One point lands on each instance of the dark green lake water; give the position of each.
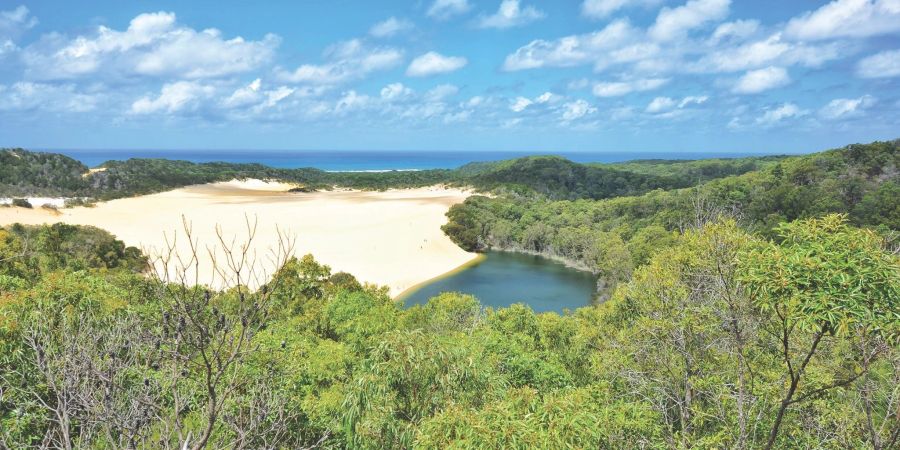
(504, 278)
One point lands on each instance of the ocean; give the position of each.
(370, 160)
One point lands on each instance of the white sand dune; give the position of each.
(390, 238)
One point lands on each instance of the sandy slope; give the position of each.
(391, 238)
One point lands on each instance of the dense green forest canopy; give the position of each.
(612, 236)
(693, 172)
(723, 339)
(540, 176)
(25, 173)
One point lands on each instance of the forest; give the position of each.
(25, 173)
(612, 236)
(754, 306)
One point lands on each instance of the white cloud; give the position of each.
(395, 91)
(441, 92)
(544, 98)
(571, 50)
(739, 29)
(510, 14)
(519, 104)
(351, 101)
(841, 108)
(7, 47)
(760, 80)
(765, 52)
(885, 64)
(779, 114)
(244, 96)
(16, 21)
(445, 9)
(26, 96)
(674, 23)
(252, 95)
(433, 63)
(661, 104)
(600, 9)
(475, 101)
(390, 27)
(174, 97)
(696, 100)
(667, 104)
(619, 88)
(847, 18)
(153, 45)
(346, 61)
(576, 110)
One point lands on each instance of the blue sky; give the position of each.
(527, 75)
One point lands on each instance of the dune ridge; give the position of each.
(391, 238)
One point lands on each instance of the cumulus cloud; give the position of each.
(152, 45)
(576, 110)
(511, 14)
(441, 92)
(445, 9)
(28, 96)
(16, 21)
(764, 52)
(433, 63)
(620, 88)
(760, 80)
(571, 50)
(847, 18)
(7, 46)
(777, 115)
(696, 100)
(738, 29)
(519, 104)
(842, 108)
(660, 105)
(395, 91)
(346, 61)
(885, 64)
(351, 101)
(675, 44)
(253, 96)
(390, 27)
(674, 23)
(599, 9)
(174, 97)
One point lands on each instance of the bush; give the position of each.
(21, 203)
(79, 201)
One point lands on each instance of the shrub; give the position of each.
(21, 203)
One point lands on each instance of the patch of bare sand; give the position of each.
(390, 238)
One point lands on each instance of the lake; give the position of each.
(504, 278)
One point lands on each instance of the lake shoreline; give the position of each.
(415, 288)
(504, 278)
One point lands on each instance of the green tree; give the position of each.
(825, 280)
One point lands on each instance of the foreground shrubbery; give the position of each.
(723, 339)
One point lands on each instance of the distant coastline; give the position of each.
(372, 161)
